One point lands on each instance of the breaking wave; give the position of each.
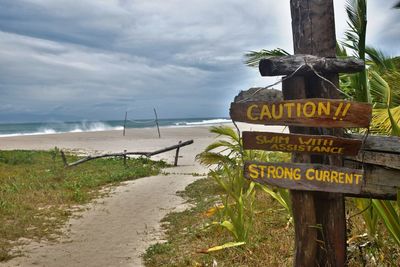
(55, 128)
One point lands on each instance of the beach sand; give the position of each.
(116, 230)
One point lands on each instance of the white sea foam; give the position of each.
(69, 128)
(20, 134)
(94, 127)
(203, 122)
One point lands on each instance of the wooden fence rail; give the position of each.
(125, 153)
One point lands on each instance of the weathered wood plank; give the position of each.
(310, 177)
(301, 143)
(379, 143)
(286, 65)
(380, 182)
(385, 159)
(378, 150)
(315, 112)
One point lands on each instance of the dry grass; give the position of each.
(271, 243)
(189, 232)
(363, 250)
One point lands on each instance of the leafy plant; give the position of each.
(390, 216)
(236, 211)
(239, 213)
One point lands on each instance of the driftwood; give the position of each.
(124, 154)
(286, 65)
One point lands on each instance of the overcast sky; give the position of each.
(95, 59)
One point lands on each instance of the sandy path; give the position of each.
(116, 230)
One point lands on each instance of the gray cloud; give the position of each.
(95, 59)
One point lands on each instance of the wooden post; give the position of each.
(125, 157)
(158, 128)
(318, 217)
(177, 154)
(126, 116)
(64, 159)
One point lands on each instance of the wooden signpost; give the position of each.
(311, 99)
(315, 112)
(309, 177)
(302, 143)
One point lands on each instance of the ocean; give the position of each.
(17, 129)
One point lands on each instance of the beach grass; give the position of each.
(38, 195)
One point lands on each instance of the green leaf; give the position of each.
(226, 245)
(228, 225)
(389, 216)
(283, 201)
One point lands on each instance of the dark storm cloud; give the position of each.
(95, 59)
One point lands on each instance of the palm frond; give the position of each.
(355, 40)
(225, 131)
(211, 158)
(395, 124)
(393, 80)
(380, 61)
(253, 57)
(382, 123)
(340, 50)
(216, 145)
(223, 145)
(357, 21)
(380, 90)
